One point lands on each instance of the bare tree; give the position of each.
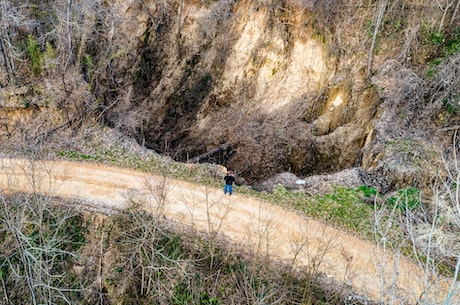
(454, 14)
(146, 252)
(216, 212)
(75, 24)
(378, 19)
(259, 234)
(445, 7)
(428, 233)
(385, 238)
(40, 243)
(11, 18)
(158, 188)
(179, 29)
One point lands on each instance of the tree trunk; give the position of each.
(179, 29)
(380, 13)
(5, 61)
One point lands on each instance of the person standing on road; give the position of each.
(229, 179)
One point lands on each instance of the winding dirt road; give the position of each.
(266, 229)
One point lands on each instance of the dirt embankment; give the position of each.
(266, 229)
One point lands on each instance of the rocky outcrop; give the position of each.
(253, 76)
(323, 184)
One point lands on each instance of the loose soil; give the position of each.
(267, 229)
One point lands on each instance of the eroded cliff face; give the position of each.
(256, 79)
(264, 87)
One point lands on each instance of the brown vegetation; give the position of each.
(263, 77)
(308, 249)
(308, 87)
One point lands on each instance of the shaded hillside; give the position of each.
(266, 232)
(63, 255)
(309, 87)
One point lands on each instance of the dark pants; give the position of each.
(228, 188)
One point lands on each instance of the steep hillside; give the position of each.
(124, 247)
(263, 87)
(364, 94)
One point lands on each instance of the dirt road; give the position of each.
(266, 229)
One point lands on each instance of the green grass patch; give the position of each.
(75, 155)
(344, 207)
(408, 199)
(34, 54)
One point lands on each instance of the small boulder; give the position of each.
(321, 184)
(286, 179)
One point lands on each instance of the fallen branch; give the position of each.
(455, 127)
(207, 155)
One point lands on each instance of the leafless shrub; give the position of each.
(402, 91)
(428, 233)
(445, 211)
(256, 291)
(259, 234)
(310, 251)
(158, 189)
(410, 43)
(217, 18)
(216, 209)
(328, 11)
(447, 7)
(445, 85)
(143, 248)
(41, 240)
(12, 17)
(385, 238)
(191, 203)
(395, 83)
